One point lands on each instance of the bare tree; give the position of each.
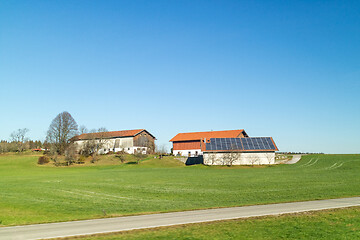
(95, 142)
(101, 138)
(121, 155)
(211, 158)
(254, 159)
(70, 154)
(62, 128)
(233, 155)
(230, 156)
(161, 150)
(270, 158)
(19, 137)
(83, 129)
(139, 156)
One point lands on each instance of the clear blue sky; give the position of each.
(286, 69)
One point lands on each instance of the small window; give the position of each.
(196, 153)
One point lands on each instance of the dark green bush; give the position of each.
(43, 160)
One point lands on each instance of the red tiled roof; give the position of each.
(113, 134)
(212, 134)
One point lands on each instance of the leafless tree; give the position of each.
(230, 156)
(270, 158)
(88, 148)
(211, 158)
(19, 137)
(161, 150)
(101, 138)
(70, 154)
(139, 156)
(121, 155)
(254, 159)
(83, 129)
(62, 128)
(95, 142)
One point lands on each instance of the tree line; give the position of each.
(19, 142)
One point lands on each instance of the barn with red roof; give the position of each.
(130, 141)
(190, 144)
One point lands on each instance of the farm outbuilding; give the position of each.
(130, 141)
(239, 151)
(190, 144)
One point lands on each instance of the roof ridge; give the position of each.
(195, 136)
(112, 134)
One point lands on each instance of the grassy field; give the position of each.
(329, 224)
(33, 194)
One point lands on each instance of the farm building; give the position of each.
(130, 141)
(190, 144)
(239, 151)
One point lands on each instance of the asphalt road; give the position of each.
(295, 159)
(53, 230)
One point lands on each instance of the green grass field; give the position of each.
(329, 224)
(34, 194)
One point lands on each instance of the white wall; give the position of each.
(244, 158)
(126, 143)
(185, 153)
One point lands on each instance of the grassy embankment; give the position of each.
(33, 194)
(329, 224)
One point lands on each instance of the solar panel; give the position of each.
(266, 143)
(256, 143)
(226, 144)
(270, 143)
(246, 143)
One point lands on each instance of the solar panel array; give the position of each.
(250, 143)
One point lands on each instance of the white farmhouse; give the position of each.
(130, 141)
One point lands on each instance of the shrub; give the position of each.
(139, 156)
(70, 154)
(120, 156)
(81, 159)
(43, 160)
(46, 152)
(94, 159)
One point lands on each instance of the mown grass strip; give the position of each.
(327, 224)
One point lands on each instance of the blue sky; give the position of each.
(286, 69)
